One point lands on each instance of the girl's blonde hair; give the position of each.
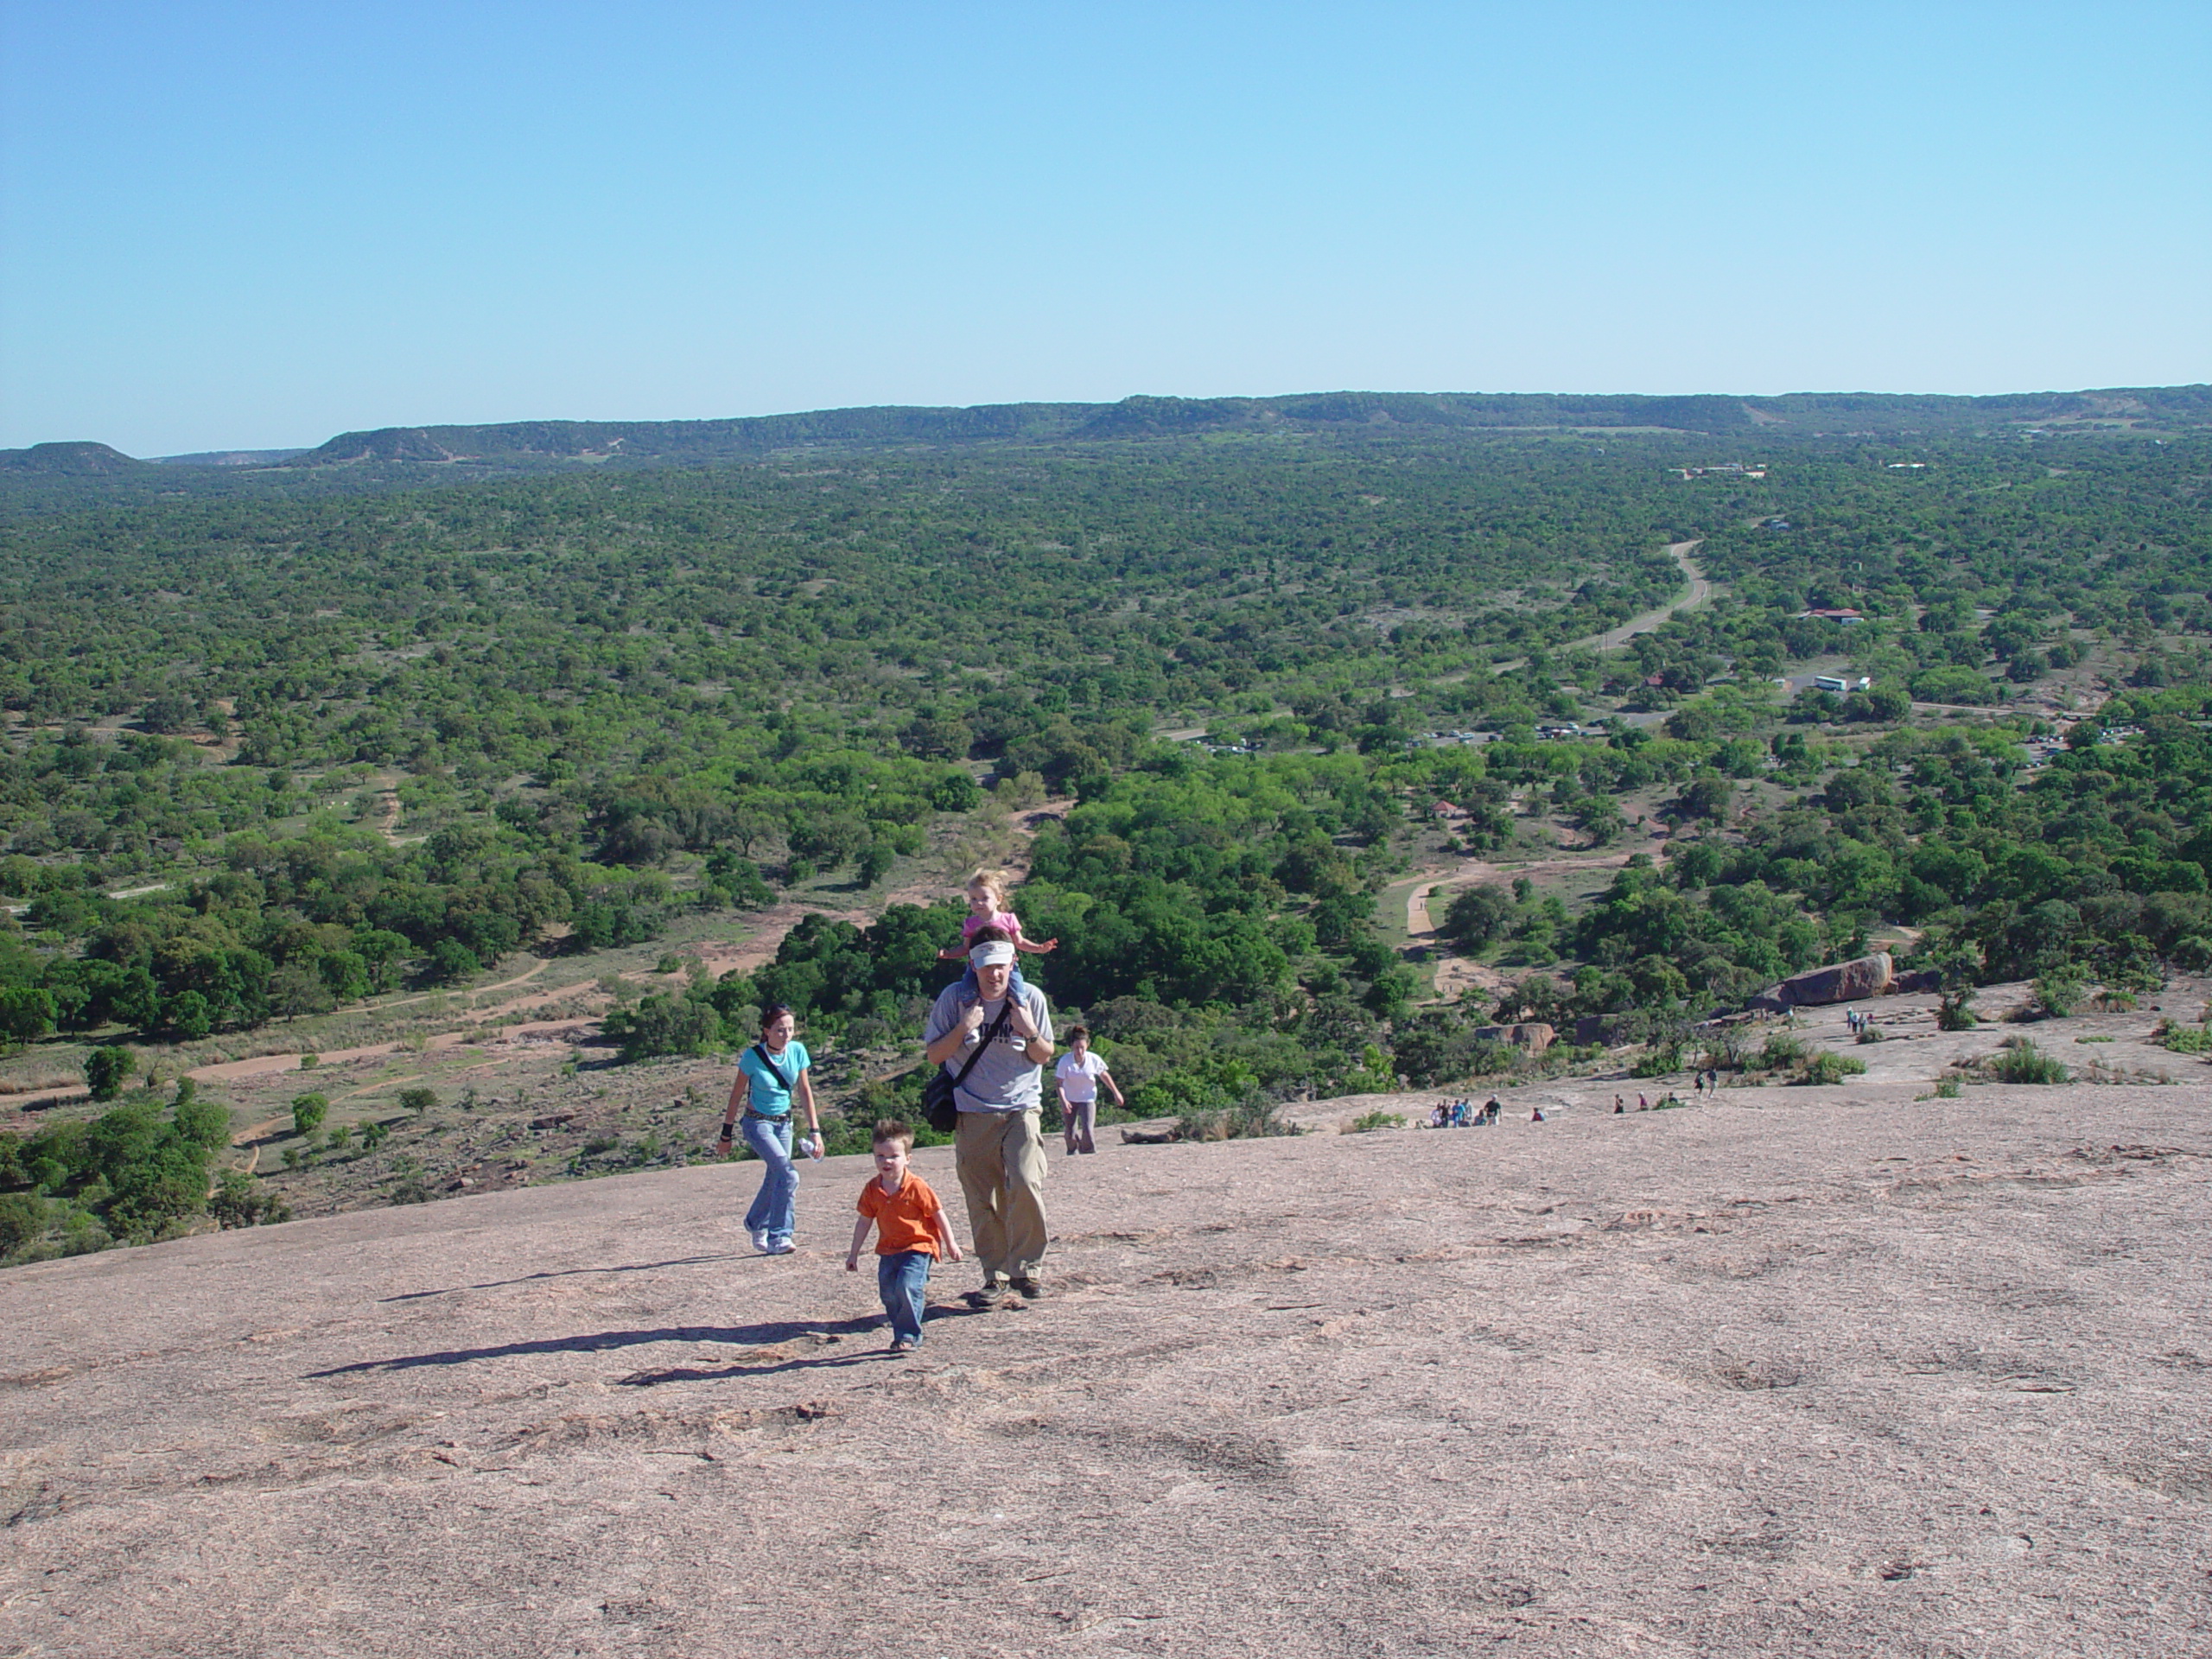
(994, 882)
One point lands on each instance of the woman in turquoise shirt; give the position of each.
(771, 1075)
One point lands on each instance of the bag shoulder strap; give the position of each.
(989, 1037)
(774, 1070)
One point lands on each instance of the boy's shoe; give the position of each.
(1030, 1290)
(903, 1345)
(760, 1240)
(781, 1247)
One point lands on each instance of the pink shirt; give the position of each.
(1006, 919)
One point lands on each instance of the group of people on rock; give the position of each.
(991, 1033)
(1461, 1114)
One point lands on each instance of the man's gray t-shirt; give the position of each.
(1004, 1080)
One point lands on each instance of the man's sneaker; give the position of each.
(1029, 1288)
(781, 1247)
(760, 1240)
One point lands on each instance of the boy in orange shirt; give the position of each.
(912, 1232)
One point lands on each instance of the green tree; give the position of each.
(307, 1112)
(105, 1070)
(26, 1013)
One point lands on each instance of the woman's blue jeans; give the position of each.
(903, 1280)
(775, 1206)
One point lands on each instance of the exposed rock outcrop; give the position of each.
(1842, 982)
(1535, 1037)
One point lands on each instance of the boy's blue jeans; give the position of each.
(904, 1280)
(775, 1206)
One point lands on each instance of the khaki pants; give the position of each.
(1000, 1158)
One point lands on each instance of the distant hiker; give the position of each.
(997, 1146)
(770, 1074)
(1492, 1108)
(987, 907)
(1537, 1115)
(1459, 1114)
(1077, 1074)
(1617, 1107)
(910, 1234)
(1439, 1116)
(1641, 1105)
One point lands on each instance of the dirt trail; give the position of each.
(756, 951)
(387, 824)
(1480, 873)
(1456, 975)
(1701, 591)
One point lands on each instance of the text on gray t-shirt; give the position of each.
(1004, 1079)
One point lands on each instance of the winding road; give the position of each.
(1700, 591)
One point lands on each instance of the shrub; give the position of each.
(1955, 1012)
(23, 1221)
(419, 1099)
(1872, 1034)
(2021, 1061)
(666, 1025)
(2060, 993)
(1829, 1067)
(308, 1112)
(452, 962)
(1948, 1089)
(1781, 1050)
(105, 1069)
(2183, 1040)
(1367, 1121)
(240, 1200)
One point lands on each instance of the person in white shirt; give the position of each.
(1078, 1073)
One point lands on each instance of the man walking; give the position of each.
(998, 1149)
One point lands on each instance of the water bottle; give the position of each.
(814, 1147)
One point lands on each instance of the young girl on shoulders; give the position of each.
(987, 907)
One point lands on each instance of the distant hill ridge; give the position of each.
(540, 443)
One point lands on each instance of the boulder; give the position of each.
(1152, 1134)
(1844, 982)
(1536, 1037)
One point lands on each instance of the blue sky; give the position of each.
(255, 225)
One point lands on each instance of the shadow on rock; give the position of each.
(748, 1336)
(564, 1273)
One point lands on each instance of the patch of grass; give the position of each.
(1366, 1122)
(1250, 1120)
(1780, 1052)
(2183, 1040)
(2021, 1061)
(1829, 1067)
(2093, 1040)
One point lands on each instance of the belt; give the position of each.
(752, 1116)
